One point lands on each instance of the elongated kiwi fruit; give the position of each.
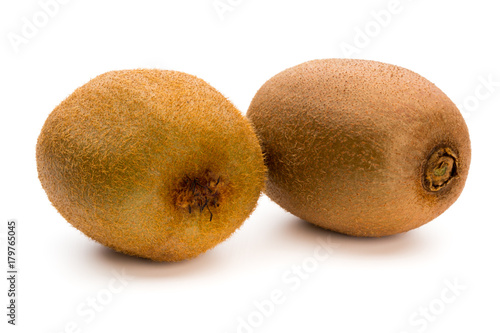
(360, 147)
(153, 163)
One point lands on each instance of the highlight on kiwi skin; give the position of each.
(440, 168)
(151, 163)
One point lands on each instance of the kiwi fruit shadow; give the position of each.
(146, 268)
(299, 230)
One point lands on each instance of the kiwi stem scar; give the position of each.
(440, 168)
(202, 191)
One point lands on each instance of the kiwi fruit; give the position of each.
(152, 163)
(360, 147)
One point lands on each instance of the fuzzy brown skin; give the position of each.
(115, 157)
(347, 144)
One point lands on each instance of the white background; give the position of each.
(361, 285)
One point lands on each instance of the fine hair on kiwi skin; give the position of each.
(152, 163)
(360, 147)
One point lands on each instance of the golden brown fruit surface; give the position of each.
(152, 163)
(360, 147)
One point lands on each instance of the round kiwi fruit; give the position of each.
(152, 163)
(360, 147)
